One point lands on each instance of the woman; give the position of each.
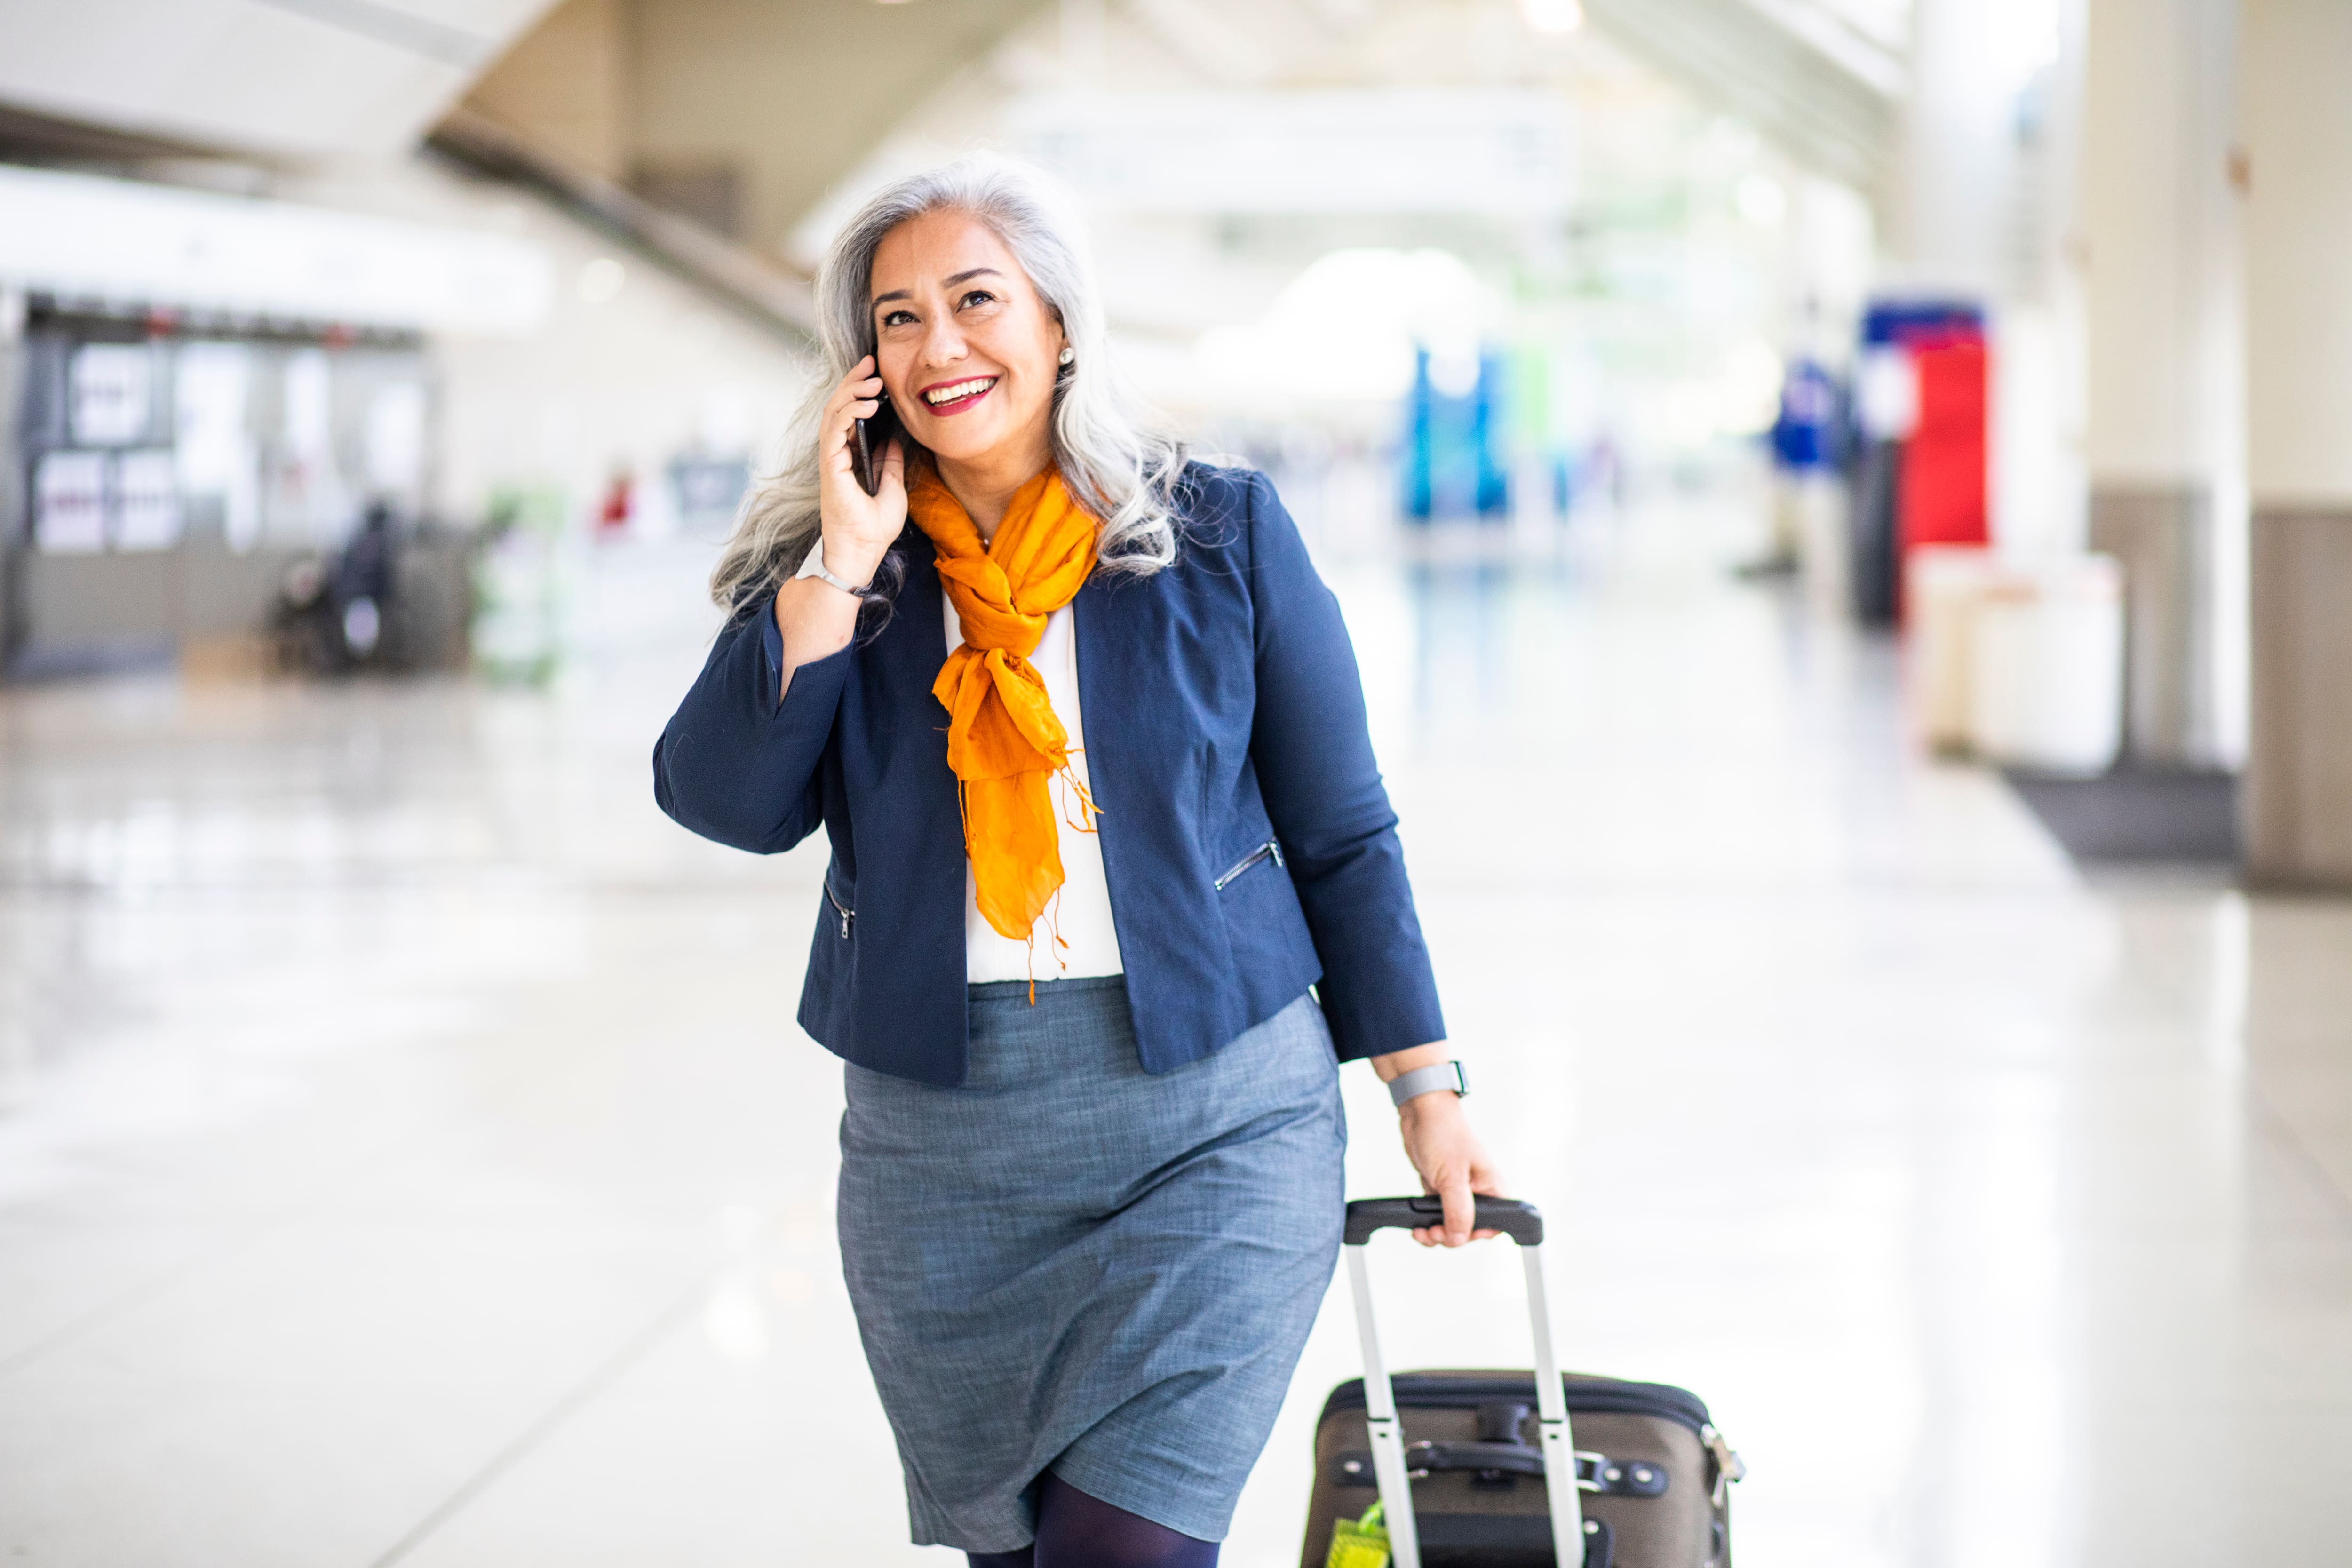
(1086, 735)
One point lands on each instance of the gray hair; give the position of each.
(1116, 462)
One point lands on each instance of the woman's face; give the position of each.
(968, 351)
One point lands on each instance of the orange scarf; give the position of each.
(1003, 739)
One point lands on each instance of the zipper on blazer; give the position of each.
(846, 913)
(1268, 850)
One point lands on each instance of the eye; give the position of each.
(974, 297)
(897, 317)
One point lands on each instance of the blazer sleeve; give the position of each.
(735, 764)
(1313, 753)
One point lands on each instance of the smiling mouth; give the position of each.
(957, 395)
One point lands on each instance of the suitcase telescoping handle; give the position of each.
(1524, 1225)
(1521, 1222)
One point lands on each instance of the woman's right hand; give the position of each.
(859, 529)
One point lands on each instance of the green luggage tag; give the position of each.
(1359, 1543)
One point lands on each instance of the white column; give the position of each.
(1956, 168)
(2296, 93)
(15, 523)
(1986, 177)
(2159, 228)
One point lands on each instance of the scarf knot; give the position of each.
(1004, 741)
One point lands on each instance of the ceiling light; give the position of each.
(1552, 16)
(602, 279)
(1761, 200)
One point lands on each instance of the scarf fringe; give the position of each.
(1089, 812)
(1054, 928)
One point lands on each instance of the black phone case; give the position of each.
(869, 441)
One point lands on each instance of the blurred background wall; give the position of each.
(1990, 286)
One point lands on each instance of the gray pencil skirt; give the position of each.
(1071, 1266)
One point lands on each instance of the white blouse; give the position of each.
(1081, 911)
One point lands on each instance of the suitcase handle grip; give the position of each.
(1522, 1222)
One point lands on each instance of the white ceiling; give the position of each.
(286, 78)
(1823, 78)
(309, 77)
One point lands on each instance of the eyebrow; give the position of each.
(964, 277)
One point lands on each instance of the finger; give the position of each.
(837, 416)
(846, 420)
(851, 388)
(1426, 1237)
(894, 463)
(1460, 1208)
(1485, 1234)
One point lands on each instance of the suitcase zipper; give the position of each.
(1596, 1396)
(1268, 849)
(846, 913)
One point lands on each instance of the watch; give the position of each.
(1428, 1080)
(813, 565)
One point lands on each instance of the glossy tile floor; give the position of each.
(407, 1155)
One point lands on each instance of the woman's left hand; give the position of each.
(1453, 1164)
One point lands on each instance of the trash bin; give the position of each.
(1946, 584)
(2046, 666)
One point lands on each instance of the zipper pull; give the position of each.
(845, 922)
(1728, 1465)
(1274, 847)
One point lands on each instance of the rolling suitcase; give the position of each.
(1446, 1458)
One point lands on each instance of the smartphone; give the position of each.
(868, 442)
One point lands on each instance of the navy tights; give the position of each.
(1075, 1530)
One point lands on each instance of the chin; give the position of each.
(959, 440)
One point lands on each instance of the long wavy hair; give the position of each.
(1116, 460)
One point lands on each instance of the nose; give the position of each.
(942, 344)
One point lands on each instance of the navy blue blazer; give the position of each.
(1224, 713)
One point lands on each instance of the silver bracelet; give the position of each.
(1428, 1080)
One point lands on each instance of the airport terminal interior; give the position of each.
(1843, 511)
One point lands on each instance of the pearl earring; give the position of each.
(1068, 354)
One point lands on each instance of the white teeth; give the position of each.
(959, 391)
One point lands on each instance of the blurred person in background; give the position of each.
(1091, 1186)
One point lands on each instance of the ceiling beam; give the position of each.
(1825, 96)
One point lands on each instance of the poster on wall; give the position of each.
(219, 456)
(69, 503)
(394, 441)
(708, 490)
(146, 500)
(111, 394)
(307, 504)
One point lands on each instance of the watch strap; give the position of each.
(813, 565)
(1428, 1080)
